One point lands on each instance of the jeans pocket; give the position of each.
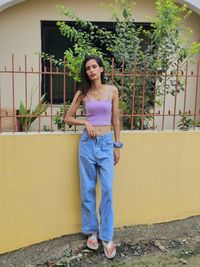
(84, 137)
(107, 145)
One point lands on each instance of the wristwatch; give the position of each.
(117, 144)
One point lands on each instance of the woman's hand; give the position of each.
(116, 155)
(90, 129)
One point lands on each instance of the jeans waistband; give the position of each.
(99, 137)
(104, 136)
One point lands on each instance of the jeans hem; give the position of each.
(89, 232)
(105, 239)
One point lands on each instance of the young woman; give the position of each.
(97, 152)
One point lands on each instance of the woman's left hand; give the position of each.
(116, 155)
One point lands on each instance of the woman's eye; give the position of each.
(92, 67)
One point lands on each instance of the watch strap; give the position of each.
(117, 144)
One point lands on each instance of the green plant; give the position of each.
(170, 46)
(27, 115)
(59, 117)
(197, 124)
(185, 123)
(166, 50)
(46, 128)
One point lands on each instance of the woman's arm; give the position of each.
(116, 123)
(115, 115)
(69, 118)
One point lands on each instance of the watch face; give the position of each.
(118, 145)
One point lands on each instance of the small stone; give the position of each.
(136, 253)
(160, 246)
(45, 250)
(184, 241)
(86, 251)
(183, 261)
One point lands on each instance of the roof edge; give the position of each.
(4, 4)
(192, 4)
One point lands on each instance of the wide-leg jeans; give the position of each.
(96, 158)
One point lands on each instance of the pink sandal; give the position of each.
(92, 242)
(109, 249)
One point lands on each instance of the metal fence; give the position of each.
(36, 98)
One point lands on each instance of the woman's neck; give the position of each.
(96, 85)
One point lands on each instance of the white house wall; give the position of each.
(20, 34)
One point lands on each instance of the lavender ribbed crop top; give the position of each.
(99, 112)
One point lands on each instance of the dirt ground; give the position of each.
(171, 244)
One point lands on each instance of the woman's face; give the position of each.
(93, 70)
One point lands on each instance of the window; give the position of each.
(54, 43)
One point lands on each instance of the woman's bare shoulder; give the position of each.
(79, 96)
(113, 89)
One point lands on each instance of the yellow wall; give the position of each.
(156, 180)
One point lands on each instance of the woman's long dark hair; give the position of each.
(85, 81)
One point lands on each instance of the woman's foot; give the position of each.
(92, 242)
(109, 249)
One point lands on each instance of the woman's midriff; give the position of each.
(102, 129)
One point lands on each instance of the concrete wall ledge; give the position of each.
(79, 132)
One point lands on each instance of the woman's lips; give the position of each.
(92, 75)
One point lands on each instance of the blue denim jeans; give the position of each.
(96, 157)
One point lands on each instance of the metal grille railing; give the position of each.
(149, 100)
